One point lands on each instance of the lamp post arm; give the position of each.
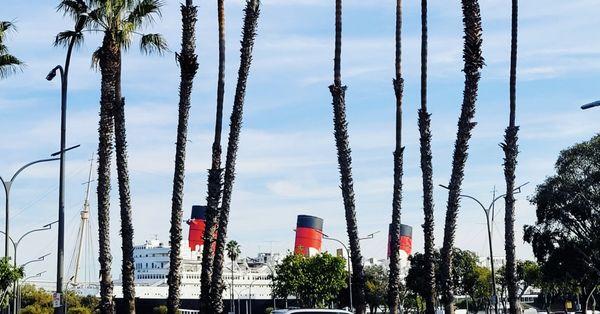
(476, 200)
(30, 164)
(10, 238)
(47, 227)
(4, 185)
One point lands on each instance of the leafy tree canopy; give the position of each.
(565, 237)
(315, 281)
(464, 274)
(376, 281)
(8, 275)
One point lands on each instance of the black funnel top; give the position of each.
(306, 221)
(198, 212)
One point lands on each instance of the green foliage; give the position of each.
(314, 281)
(9, 64)
(39, 301)
(376, 281)
(233, 250)
(464, 274)
(8, 275)
(565, 237)
(79, 310)
(121, 19)
(37, 309)
(162, 309)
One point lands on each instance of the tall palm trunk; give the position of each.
(511, 150)
(188, 66)
(427, 171)
(473, 64)
(251, 14)
(394, 276)
(338, 93)
(127, 266)
(110, 63)
(214, 174)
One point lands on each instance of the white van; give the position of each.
(310, 311)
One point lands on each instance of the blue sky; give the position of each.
(287, 164)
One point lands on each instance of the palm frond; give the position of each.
(144, 12)
(97, 18)
(153, 43)
(96, 55)
(9, 64)
(6, 27)
(63, 39)
(72, 8)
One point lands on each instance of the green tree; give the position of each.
(188, 65)
(9, 64)
(342, 143)
(565, 239)
(315, 281)
(251, 14)
(511, 150)
(9, 274)
(473, 59)
(394, 283)
(119, 21)
(376, 281)
(233, 252)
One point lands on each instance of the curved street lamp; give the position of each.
(487, 211)
(7, 186)
(16, 244)
(39, 259)
(64, 80)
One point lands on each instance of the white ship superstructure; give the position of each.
(252, 276)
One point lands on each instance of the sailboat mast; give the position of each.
(85, 215)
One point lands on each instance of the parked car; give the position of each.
(310, 311)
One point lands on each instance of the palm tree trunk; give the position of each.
(214, 174)
(110, 63)
(394, 276)
(338, 93)
(473, 64)
(511, 151)
(427, 171)
(127, 266)
(251, 14)
(189, 66)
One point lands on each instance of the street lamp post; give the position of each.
(7, 187)
(272, 278)
(64, 75)
(349, 273)
(489, 210)
(18, 294)
(15, 247)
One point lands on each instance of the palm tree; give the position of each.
(233, 252)
(473, 64)
(338, 93)
(427, 171)
(188, 66)
(128, 263)
(119, 21)
(251, 15)
(511, 151)
(9, 64)
(214, 174)
(394, 276)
